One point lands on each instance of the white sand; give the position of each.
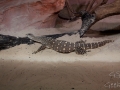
(50, 70)
(108, 53)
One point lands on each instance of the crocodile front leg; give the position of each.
(40, 49)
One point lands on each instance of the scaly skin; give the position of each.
(80, 47)
(87, 21)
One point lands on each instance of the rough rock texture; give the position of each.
(84, 2)
(18, 15)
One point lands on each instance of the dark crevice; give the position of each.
(7, 41)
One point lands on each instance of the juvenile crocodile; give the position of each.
(80, 47)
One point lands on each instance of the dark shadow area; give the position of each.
(110, 32)
(7, 41)
(94, 33)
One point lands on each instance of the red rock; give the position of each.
(38, 14)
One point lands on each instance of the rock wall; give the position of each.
(84, 2)
(21, 14)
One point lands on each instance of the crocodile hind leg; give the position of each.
(40, 49)
(80, 50)
(81, 47)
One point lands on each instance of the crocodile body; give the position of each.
(80, 47)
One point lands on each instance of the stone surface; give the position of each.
(18, 15)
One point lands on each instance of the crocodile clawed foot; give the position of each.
(39, 49)
(80, 50)
(35, 52)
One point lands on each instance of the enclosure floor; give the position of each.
(26, 75)
(108, 53)
(50, 70)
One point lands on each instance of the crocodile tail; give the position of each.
(99, 44)
(102, 43)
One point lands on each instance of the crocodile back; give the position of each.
(59, 45)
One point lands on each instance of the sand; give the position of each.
(107, 53)
(50, 70)
(26, 75)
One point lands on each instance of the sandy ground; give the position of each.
(50, 70)
(26, 75)
(107, 53)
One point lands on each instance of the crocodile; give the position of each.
(80, 47)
